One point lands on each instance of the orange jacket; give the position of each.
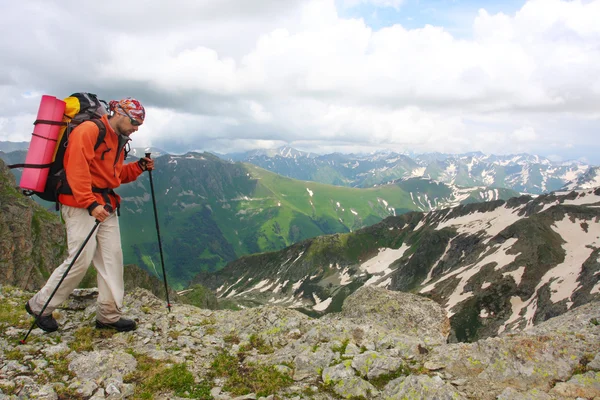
(86, 169)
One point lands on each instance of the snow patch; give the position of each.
(383, 259)
(420, 224)
(417, 172)
(563, 278)
(492, 222)
(578, 246)
(517, 274)
(321, 305)
(345, 277)
(465, 273)
(583, 198)
(297, 285)
(385, 283)
(430, 274)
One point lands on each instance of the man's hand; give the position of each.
(100, 213)
(146, 163)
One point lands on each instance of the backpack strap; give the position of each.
(12, 166)
(101, 132)
(101, 136)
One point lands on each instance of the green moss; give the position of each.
(64, 392)
(12, 315)
(13, 354)
(380, 381)
(588, 380)
(474, 362)
(368, 362)
(231, 338)
(582, 366)
(153, 377)
(210, 330)
(257, 342)
(251, 378)
(174, 334)
(85, 337)
(342, 348)
(9, 390)
(60, 366)
(179, 380)
(208, 321)
(274, 330)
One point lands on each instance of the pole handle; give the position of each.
(148, 155)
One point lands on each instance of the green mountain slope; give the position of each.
(213, 211)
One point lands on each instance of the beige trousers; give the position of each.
(103, 250)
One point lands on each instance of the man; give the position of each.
(91, 176)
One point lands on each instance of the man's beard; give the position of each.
(121, 132)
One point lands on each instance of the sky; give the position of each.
(452, 76)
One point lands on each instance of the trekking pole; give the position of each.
(87, 239)
(162, 260)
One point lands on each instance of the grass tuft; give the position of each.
(85, 336)
(154, 377)
(257, 342)
(244, 379)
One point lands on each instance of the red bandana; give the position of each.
(129, 107)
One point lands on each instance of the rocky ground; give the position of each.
(383, 345)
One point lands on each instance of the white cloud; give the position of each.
(525, 134)
(377, 3)
(224, 76)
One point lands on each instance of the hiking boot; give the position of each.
(122, 325)
(45, 322)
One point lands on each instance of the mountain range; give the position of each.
(495, 266)
(523, 173)
(212, 211)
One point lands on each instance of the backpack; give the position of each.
(80, 107)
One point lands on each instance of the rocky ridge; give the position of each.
(32, 239)
(382, 345)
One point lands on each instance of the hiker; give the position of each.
(91, 177)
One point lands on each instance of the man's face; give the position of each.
(127, 125)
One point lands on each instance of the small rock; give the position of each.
(595, 363)
(99, 395)
(112, 389)
(433, 366)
